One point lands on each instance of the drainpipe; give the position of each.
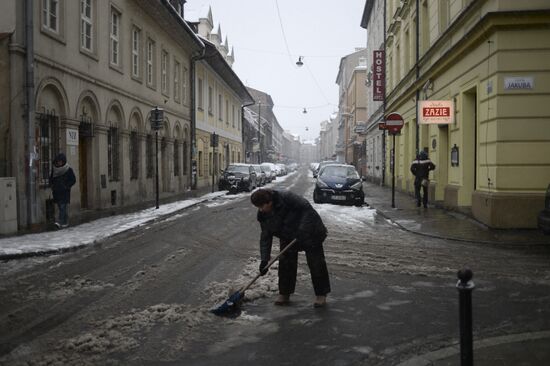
(193, 155)
(29, 91)
(417, 73)
(384, 103)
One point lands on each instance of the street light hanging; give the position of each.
(304, 111)
(300, 63)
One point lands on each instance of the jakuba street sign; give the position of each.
(394, 123)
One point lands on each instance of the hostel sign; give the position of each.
(439, 112)
(379, 75)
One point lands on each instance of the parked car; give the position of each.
(339, 183)
(271, 168)
(267, 173)
(321, 165)
(261, 177)
(238, 177)
(283, 169)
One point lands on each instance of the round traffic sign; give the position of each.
(394, 123)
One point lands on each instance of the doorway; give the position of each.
(469, 168)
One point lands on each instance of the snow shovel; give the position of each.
(231, 305)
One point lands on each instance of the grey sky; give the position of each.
(321, 31)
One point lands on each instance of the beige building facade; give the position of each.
(491, 60)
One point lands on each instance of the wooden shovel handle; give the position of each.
(268, 265)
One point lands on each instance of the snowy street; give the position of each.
(139, 291)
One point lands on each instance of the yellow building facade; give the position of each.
(491, 60)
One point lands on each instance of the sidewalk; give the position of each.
(526, 349)
(441, 223)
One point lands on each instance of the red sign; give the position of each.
(378, 75)
(436, 111)
(394, 123)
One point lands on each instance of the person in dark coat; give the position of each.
(421, 169)
(61, 180)
(286, 215)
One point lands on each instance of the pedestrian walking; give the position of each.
(286, 215)
(421, 167)
(61, 180)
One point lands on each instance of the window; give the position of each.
(200, 164)
(200, 101)
(112, 153)
(233, 116)
(220, 107)
(150, 62)
(86, 25)
(50, 15)
(176, 158)
(443, 16)
(115, 37)
(149, 155)
(136, 48)
(164, 72)
(177, 86)
(184, 87)
(227, 112)
(134, 155)
(49, 145)
(184, 157)
(210, 100)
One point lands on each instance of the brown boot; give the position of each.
(320, 302)
(282, 300)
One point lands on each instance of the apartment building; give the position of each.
(488, 62)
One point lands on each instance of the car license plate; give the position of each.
(339, 198)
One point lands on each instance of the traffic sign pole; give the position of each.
(393, 123)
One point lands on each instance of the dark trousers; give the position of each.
(424, 198)
(288, 268)
(63, 213)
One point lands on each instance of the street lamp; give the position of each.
(300, 63)
(156, 119)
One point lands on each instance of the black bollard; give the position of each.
(465, 286)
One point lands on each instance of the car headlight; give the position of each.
(358, 186)
(321, 184)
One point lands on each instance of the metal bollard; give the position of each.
(465, 286)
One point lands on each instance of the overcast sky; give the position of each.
(321, 31)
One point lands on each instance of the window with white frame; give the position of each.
(210, 100)
(227, 112)
(136, 48)
(220, 107)
(150, 61)
(86, 25)
(184, 85)
(164, 72)
(233, 116)
(50, 15)
(177, 84)
(115, 37)
(200, 87)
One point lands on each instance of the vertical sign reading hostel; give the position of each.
(379, 74)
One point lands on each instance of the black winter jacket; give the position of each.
(292, 217)
(421, 169)
(61, 186)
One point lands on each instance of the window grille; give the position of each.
(149, 156)
(112, 151)
(185, 157)
(86, 24)
(134, 155)
(176, 158)
(49, 144)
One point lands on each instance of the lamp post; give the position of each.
(157, 116)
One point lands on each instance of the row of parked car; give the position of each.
(240, 177)
(337, 183)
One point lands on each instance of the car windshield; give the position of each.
(237, 169)
(339, 171)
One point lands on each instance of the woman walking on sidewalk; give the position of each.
(421, 169)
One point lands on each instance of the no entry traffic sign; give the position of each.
(394, 123)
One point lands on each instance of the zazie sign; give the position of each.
(436, 112)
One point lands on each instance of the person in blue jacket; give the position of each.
(288, 216)
(62, 178)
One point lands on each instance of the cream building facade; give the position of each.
(491, 60)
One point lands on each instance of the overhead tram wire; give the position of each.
(283, 31)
